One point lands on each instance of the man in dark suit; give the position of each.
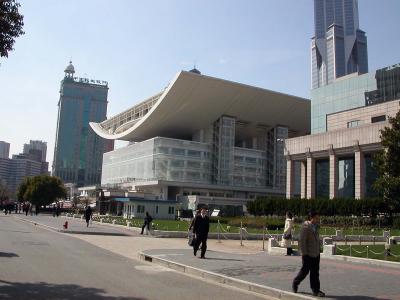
(200, 230)
(309, 248)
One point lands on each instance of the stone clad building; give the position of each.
(339, 162)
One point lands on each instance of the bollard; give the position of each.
(241, 233)
(219, 241)
(373, 240)
(350, 249)
(367, 252)
(359, 238)
(345, 240)
(263, 238)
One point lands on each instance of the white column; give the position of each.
(333, 176)
(254, 143)
(289, 179)
(310, 178)
(303, 179)
(359, 175)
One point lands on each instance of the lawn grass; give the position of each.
(181, 225)
(374, 251)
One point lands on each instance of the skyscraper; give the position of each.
(36, 145)
(37, 150)
(78, 152)
(4, 149)
(339, 47)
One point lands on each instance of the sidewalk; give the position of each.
(247, 265)
(75, 226)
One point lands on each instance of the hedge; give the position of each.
(326, 207)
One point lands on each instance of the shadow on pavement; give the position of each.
(216, 258)
(94, 233)
(48, 291)
(355, 298)
(8, 254)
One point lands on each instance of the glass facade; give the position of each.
(223, 150)
(346, 178)
(250, 167)
(333, 53)
(180, 160)
(78, 150)
(370, 176)
(322, 178)
(338, 96)
(388, 86)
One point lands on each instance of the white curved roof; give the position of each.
(192, 102)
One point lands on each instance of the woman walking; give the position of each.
(287, 234)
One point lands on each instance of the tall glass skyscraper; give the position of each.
(78, 152)
(339, 47)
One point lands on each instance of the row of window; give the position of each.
(356, 123)
(140, 209)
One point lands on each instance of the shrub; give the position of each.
(396, 223)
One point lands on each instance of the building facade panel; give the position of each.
(78, 150)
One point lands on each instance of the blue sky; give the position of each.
(138, 46)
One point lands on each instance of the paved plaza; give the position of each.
(339, 279)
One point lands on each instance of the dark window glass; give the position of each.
(378, 119)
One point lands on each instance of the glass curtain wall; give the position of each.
(322, 178)
(346, 183)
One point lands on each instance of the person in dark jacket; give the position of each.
(146, 222)
(309, 248)
(201, 228)
(88, 215)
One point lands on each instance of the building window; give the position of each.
(177, 151)
(171, 210)
(378, 119)
(355, 123)
(140, 209)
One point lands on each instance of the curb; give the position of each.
(222, 279)
(360, 260)
(69, 231)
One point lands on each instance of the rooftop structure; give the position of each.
(204, 136)
(339, 47)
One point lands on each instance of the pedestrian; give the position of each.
(310, 255)
(201, 228)
(192, 223)
(58, 210)
(54, 210)
(88, 215)
(190, 230)
(287, 236)
(146, 222)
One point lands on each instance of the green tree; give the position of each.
(22, 189)
(4, 194)
(11, 23)
(41, 190)
(387, 163)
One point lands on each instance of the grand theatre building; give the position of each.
(204, 140)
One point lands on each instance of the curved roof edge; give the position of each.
(104, 134)
(188, 93)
